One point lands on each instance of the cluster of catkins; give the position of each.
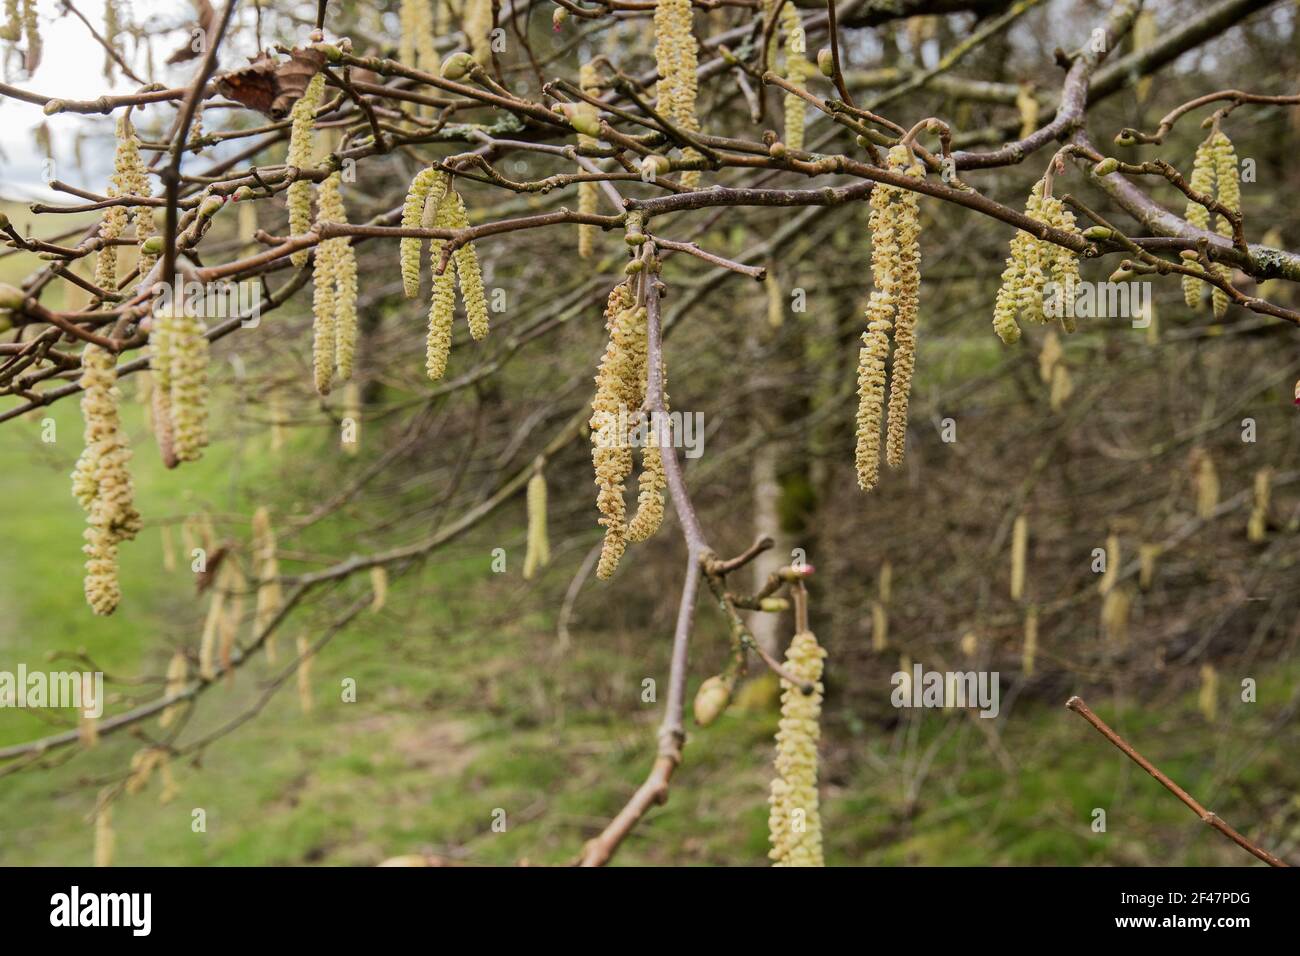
(1214, 174)
(1031, 262)
(101, 481)
(896, 277)
(178, 359)
(432, 203)
(303, 122)
(794, 822)
(615, 413)
(334, 300)
(676, 61)
(130, 178)
(22, 24)
(797, 70)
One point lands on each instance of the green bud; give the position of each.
(582, 117)
(1125, 138)
(633, 265)
(826, 61)
(242, 193)
(711, 700)
(4, 221)
(1098, 232)
(210, 206)
(53, 106)
(1106, 166)
(457, 65)
(332, 53)
(10, 297)
(774, 605)
(778, 150)
(153, 246)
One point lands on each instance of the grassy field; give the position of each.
(464, 713)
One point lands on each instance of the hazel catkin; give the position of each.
(538, 554)
(794, 820)
(303, 123)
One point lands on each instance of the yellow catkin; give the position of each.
(212, 632)
(588, 80)
(1202, 182)
(32, 35)
(1147, 555)
(1029, 265)
(1027, 106)
(907, 287)
(335, 310)
(1208, 698)
(875, 341)
(169, 788)
(379, 586)
(270, 597)
(1227, 180)
(1207, 486)
(420, 51)
(101, 480)
(478, 25)
(442, 303)
(88, 724)
(619, 382)
(178, 673)
(188, 380)
(303, 123)
(305, 658)
(168, 548)
(794, 820)
(797, 69)
(1115, 607)
(1050, 355)
(468, 275)
(1029, 653)
(233, 614)
(161, 356)
(409, 250)
(970, 644)
(1019, 550)
(1062, 388)
(775, 298)
(1257, 526)
(879, 626)
(650, 494)
(13, 25)
(131, 178)
(104, 837)
(1113, 557)
(885, 581)
(676, 60)
(1145, 34)
(538, 553)
(408, 18)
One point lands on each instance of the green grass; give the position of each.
(461, 716)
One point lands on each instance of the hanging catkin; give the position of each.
(1208, 698)
(379, 586)
(1202, 181)
(676, 62)
(305, 658)
(1147, 554)
(875, 341)
(797, 69)
(101, 481)
(13, 25)
(1115, 608)
(1019, 549)
(1030, 263)
(178, 673)
(478, 25)
(1111, 574)
(1029, 652)
(32, 34)
(187, 376)
(1207, 486)
(233, 614)
(427, 181)
(1257, 526)
(1229, 194)
(303, 123)
(468, 275)
(588, 80)
(442, 303)
(88, 724)
(334, 303)
(269, 596)
(617, 395)
(538, 554)
(794, 821)
(879, 626)
(104, 838)
(907, 287)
